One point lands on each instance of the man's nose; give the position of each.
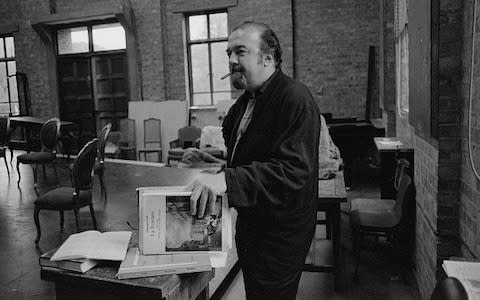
(233, 59)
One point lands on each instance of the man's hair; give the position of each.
(269, 43)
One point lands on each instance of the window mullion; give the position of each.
(210, 68)
(90, 39)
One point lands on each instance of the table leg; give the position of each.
(335, 213)
(203, 294)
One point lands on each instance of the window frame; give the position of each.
(207, 41)
(6, 60)
(89, 26)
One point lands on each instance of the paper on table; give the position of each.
(218, 259)
(390, 143)
(94, 245)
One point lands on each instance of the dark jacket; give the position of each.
(272, 179)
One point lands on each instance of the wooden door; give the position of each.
(110, 89)
(76, 97)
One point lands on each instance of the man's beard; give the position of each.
(239, 81)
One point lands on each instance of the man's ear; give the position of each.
(268, 59)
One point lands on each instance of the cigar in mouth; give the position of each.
(226, 75)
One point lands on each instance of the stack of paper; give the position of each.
(93, 244)
(171, 240)
(468, 273)
(82, 251)
(137, 265)
(77, 265)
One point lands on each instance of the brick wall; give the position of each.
(469, 207)
(332, 44)
(441, 216)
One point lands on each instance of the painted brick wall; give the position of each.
(332, 44)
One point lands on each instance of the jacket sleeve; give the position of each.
(291, 164)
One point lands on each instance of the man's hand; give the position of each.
(205, 189)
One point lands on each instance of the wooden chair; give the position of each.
(99, 167)
(128, 146)
(188, 136)
(381, 217)
(74, 197)
(152, 138)
(4, 132)
(47, 154)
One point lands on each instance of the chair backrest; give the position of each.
(188, 135)
(4, 130)
(127, 128)
(82, 170)
(152, 134)
(102, 141)
(49, 135)
(402, 183)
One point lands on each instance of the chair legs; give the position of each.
(92, 213)
(75, 212)
(35, 177)
(103, 190)
(6, 165)
(18, 172)
(44, 172)
(37, 224)
(62, 218)
(357, 239)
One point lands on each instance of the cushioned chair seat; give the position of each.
(367, 204)
(176, 152)
(62, 198)
(374, 218)
(36, 157)
(150, 149)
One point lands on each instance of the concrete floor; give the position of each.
(20, 273)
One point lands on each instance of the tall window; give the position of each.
(207, 41)
(93, 81)
(8, 81)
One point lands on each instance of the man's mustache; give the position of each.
(234, 69)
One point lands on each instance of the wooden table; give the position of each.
(35, 123)
(354, 139)
(100, 283)
(331, 193)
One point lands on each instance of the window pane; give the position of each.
(108, 37)
(198, 27)
(4, 109)
(221, 96)
(220, 67)
(72, 40)
(202, 99)
(218, 25)
(15, 108)
(3, 83)
(200, 72)
(2, 50)
(12, 69)
(10, 47)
